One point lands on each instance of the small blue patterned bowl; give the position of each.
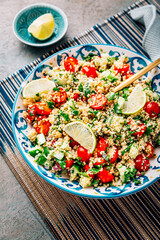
(27, 15)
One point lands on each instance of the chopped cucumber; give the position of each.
(121, 102)
(41, 139)
(59, 155)
(133, 152)
(122, 169)
(85, 181)
(74, 172)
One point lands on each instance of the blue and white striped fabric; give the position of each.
(68, 216)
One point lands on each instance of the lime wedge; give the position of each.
(136, 101)
(43, 27)
(83, 134)
(37, 86)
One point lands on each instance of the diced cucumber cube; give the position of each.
(133, 152)
(41, 139)
(59, 155)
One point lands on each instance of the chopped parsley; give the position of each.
(112, 78)
(117, 109)
(37, 94)
(87, 89)
(80, 88)
(148, 130)
(41, 159)
(65, 116)
(89, 57)
(56, 89)
(110, 96)
(75, 112)
(50, 104)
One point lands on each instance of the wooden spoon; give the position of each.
(137, 75)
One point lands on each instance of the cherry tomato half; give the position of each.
(69, 163)
(100, 161)
(89, 71)
(59, 96)
(83, 154)
(42, 125)
(113, 153)
(141, 163)
(105, 176)
(123, 69)
(152, 108)
(31, 113)
(86, 168)
(70, 64)
(97, 101)
(140, 129)
(149, 150)
(76, 96)
(101, 146)
(42, 109)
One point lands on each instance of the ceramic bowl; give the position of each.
(27, 15)
(21, 127)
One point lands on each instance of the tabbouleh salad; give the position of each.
(83, 94)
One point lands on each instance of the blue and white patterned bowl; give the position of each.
(27, 15)
(21, 127)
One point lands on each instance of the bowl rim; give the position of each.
(23, 10)
(38, 172)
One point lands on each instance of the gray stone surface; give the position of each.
(19, 220)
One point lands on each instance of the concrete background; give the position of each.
(18, 218)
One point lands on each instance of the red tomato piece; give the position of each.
(60, 96)
(129, 74)
(113, 153)
(97, 101)
(122, 70)
(100, 161)
(76, 96)
(31, 113)
(70, 64)
(149, 150)
(73, 143)
(43, 125)
(83, 154)
(69, 163)
(140, 129)
(152, 108)
(141, 163)
(105, 176)
(42, 109)
(86, 168)
(89, 71)
(101, 146)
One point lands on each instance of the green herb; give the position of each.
(137, 181)
(83, 174)
(95, 182)
(31, 114)
(61, 162)
(110, 96)
(125, 150)
(117, 109)
(89, 57)
(129, 175)
(148, 130)
(112, 78)
(75, 80)
(46, 151)
(74, 111)
(138, 117)
(56, 89)
(65, 116)
(80, 88)
(93, 111)
(50, 104)
(125, 96)
(35, 152)
(87, 89)
(37, 94)
(118, 137)
(41, 159)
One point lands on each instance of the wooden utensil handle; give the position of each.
(137, 75)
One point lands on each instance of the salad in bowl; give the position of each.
(82, 129)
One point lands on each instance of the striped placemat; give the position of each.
(69, 216)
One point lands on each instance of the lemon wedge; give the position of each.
(136, 101)
(38, 86)
(43, 27)
(82, 134)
